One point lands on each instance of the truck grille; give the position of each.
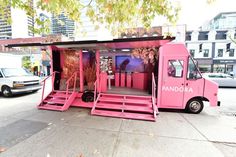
(31, 81)
(31, 84)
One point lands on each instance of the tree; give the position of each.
(232, 39)
(114, 14)
(26, 62)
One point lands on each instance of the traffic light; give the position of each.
(200, 48)
(228, 47)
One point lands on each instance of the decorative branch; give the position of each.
(148, 55)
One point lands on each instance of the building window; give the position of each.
(231, 53)
(221, 35)
(203, 36)
(206, 53)
(188, 36)
(220, 53)
(192, 52)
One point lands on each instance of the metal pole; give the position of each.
(81, 71)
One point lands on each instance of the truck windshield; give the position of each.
(193, 72)
(13, 72)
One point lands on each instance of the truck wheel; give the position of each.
(194, 106)
(6, 91)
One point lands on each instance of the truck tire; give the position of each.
(194, 106)
(6, 91)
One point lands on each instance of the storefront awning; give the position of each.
(110, 44)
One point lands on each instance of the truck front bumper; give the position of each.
(25, 89)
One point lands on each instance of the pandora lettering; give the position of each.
(177, 89)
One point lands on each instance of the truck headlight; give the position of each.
(18, 84)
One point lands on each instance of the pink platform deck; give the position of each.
(114, 90)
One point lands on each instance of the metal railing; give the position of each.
(74, 75)
(97, 93)
(154, 97)
(44, 82)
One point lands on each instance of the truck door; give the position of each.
(173, 81)
(194, 84)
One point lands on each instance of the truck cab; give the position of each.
(180, 83)
(17, 80)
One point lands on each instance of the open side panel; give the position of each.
(56, 66)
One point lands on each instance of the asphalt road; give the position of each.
(227, 96)
(24, 102)
(26, 131)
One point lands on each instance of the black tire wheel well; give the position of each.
(6, 91)
(194, 105)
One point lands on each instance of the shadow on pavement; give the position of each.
(18, 95)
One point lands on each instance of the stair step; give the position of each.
(127, 96)
(60, 91)
(55, 101)
(125, 107)
(50, 107)
(58, 95)
(79, 95)
(125, 115)
(121, 100)
(79, 103)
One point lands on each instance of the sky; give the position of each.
(195, 13)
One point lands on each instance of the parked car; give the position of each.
(17, 80)
(223, 80)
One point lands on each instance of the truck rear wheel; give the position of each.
(194, 106)
(6, 91)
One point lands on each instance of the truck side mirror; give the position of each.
(196, 62)
(232, 75)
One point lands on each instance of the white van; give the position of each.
(17, 80)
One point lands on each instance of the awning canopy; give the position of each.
(123, 43)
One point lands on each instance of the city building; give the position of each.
(222, 21)
(62, 25)
(21, 26)
(177, 31)
(141, 32)
(43, 17)
(214, 50)
(212, 45)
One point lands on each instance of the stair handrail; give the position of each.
(154, 95)
(96, 96)
(44, 80)
(95, 90)
(74, 75)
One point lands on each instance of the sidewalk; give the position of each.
(75, 133)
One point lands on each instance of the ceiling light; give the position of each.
(125, 50)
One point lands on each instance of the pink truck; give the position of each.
(127, 78)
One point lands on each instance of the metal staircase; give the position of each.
(126, 106)
(111, 105)
(58, 100)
